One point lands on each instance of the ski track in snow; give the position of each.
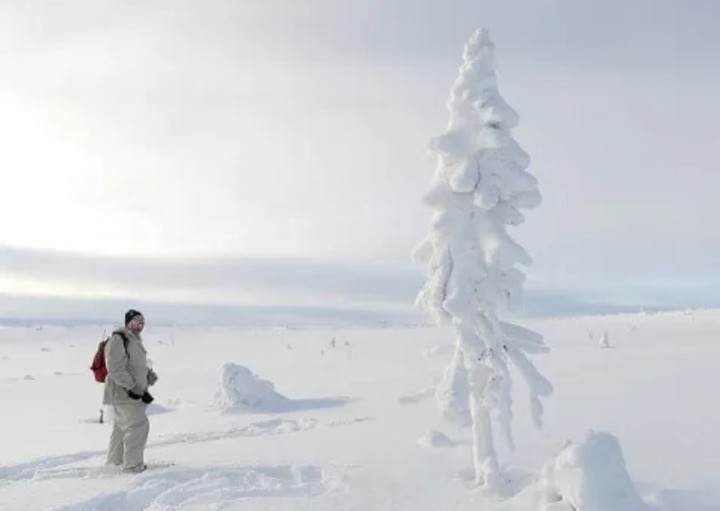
(177, 488)
(51, 467)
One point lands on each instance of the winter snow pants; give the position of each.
(129, 435)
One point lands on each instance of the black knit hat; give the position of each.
(130, 315)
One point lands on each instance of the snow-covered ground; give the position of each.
(352, 423)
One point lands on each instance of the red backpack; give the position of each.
(98, 366)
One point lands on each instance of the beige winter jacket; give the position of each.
(127, 370)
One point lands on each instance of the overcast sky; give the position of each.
(289, 136)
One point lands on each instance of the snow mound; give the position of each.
(241, 388)
(590, 476)
(434, 439)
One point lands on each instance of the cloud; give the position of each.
(49, 287)
(42, 310)
(219, 280)
(278, 130)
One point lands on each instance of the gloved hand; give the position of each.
(147, 398)
(152, 377)
(134, 396)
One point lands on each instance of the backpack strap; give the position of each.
(124, 338)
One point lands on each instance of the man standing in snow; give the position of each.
(126, 391)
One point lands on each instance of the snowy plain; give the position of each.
(358, 427)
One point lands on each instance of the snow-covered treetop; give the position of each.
(475, 90)
(479, 188)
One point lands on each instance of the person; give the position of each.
(126, 392)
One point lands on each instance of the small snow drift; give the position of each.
(241, 388)
(434, 439)
(590, 476)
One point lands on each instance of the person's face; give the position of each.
(137, 324)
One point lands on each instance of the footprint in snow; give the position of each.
(172, 488)
(56, 466)
(33, 468)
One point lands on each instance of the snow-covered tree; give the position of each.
(479, 189)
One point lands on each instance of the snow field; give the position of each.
(360, 428)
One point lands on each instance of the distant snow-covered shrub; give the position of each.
(241, 388)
